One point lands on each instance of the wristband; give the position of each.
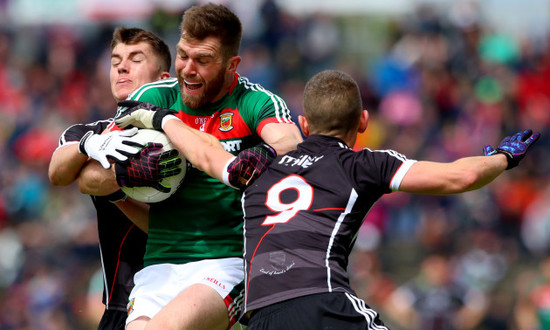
(166, 119)
(81, 144)
(225, 174)
(117, 196)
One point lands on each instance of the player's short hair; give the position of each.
(131, 36)
(213, 20)
(332, 103)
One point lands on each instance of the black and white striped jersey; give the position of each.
(121, 243)
(303, 214)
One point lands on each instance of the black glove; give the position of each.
(249, 165)
(148, 168)
(514, 147)
(141, 114)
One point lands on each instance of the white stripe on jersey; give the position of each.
(244, 255)
(164, 83)
(135, 95)
(234, 309)
(105, 283)
(282, 112)
(370, 314)
(393, 153)
(351, 202)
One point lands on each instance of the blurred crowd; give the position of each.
(438, 86)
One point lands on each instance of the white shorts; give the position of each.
(156, 285)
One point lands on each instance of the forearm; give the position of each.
(201, 149)
(484, 168)
(136, 211)
(462, 175)
(96, 180)
(65, 165)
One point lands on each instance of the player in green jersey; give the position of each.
(194, 268)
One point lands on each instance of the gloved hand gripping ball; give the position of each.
(140, 191)
(148, 168)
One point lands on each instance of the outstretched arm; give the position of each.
(468, 173)
(462, 175)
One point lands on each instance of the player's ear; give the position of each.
(302, 121)
(165, 75)
(233, 63)
(363, 121)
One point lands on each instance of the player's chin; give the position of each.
(193, 100)
(121, 92)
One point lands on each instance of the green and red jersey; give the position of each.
(204, 218)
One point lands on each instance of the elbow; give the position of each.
(83, 187)
(54, 179)
(57, 179)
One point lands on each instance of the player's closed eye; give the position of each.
(137, 58)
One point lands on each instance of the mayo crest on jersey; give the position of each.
(203, 219)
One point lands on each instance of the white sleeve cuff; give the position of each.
(225, 174)
(166, 119)
(400, 174)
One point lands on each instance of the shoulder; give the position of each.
(165, 89)
(253, 92)
(386, 154)
(259, 103)
(383, 160)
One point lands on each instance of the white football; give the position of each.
(149, 194)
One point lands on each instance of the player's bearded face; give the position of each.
(196, 91)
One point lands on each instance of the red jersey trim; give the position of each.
(269, 121)
(113, 127)
(234, 84)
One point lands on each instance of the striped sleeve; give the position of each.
(267, 107)
(158, 93)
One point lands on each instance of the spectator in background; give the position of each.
(433, 301)
(532, 307)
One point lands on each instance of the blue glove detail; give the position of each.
(514, 147)
(488, 150)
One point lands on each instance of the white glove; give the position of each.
(143, 115)
(141, 118)
(114, 144)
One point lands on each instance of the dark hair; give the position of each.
(131, 36)
(332, 103)
(200, 22)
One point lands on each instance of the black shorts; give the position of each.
(113, 320)
(335, 310)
